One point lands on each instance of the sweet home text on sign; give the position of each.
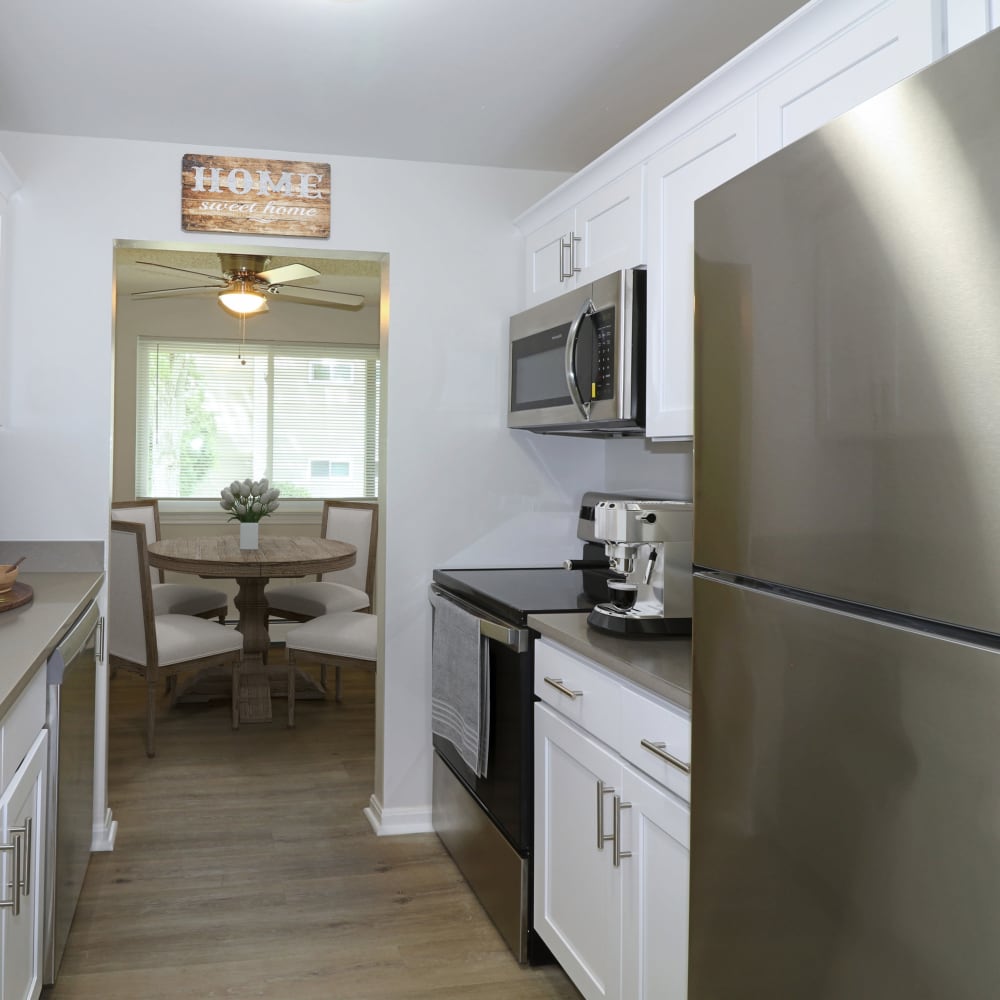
(230, 194)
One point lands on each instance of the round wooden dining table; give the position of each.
(216, 556)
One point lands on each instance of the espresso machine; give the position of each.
(649, 543)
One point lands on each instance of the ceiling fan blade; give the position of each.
(183, 270)
(290, 272)
(317, 296)
(156, 293)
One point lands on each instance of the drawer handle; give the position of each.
(660, 750)
(557, 683)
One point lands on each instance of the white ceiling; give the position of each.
(546, 84)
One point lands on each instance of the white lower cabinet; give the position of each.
(611, 868)
(22, 830)
(654, 891)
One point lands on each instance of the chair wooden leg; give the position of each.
(150, 714)
(291, 690)
(322, 678)
(337, 691)
(236, 696)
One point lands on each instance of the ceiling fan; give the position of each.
(244, 285)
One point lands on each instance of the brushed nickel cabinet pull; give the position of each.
(565, 245)
(658, 749)
(573, 240)
(602, 790)
(568, 246)
(557, 683)
(25, 831)
(616, 833)
(14, 903)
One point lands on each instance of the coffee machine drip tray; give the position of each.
(633, 623)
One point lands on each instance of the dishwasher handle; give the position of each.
(73, 643)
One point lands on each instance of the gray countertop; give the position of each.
(661, 665)
(29, 634)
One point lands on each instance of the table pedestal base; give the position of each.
(254, 696)
(258, 685)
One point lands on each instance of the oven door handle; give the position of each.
(517, 639)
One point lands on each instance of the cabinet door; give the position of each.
(23, 802)
(610, 226)
(878, 50)
(548, 261)
(685, 170)
(656, 829)
(577, 897)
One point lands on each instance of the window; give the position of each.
(322, 468)
(205, 416)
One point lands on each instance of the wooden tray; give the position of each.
(18, 595)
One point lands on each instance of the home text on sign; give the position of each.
(223, 194)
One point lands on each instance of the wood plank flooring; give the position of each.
(244, 868)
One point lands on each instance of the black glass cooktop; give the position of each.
(513, 594)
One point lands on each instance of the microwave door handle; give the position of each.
(572, 381)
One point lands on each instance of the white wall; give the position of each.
(453, 471)
(460, 488)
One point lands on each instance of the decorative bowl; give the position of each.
(7, 577)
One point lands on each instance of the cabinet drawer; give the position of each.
(20, 727)
(578, 691)
(652, 731)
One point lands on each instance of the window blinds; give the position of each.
(303, 415)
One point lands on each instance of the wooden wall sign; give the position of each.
(231, 194)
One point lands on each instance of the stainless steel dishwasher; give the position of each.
(72, 669)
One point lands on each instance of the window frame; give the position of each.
(313, 353)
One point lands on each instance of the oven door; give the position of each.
(505, 794)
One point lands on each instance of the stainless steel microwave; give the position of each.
(577, 362)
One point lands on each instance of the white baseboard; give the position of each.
(396, 822)
(105, 834)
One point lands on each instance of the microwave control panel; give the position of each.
(602, 363)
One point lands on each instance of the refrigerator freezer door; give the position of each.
(847, 412)
(845, 837)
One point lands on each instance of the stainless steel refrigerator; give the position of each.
(846, 703)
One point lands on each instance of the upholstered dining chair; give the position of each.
(352, 521)
(155, 645)
(171, 598)
(341, 639)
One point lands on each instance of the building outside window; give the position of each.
(303, 415)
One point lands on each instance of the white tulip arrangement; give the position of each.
(250, 500)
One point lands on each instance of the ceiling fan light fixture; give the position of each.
(241, 299)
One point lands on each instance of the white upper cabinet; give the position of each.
(876, 51)
(965, 20)
(684, 171)
(603, 233)
(826, 58)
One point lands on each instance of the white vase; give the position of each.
(249, 535)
